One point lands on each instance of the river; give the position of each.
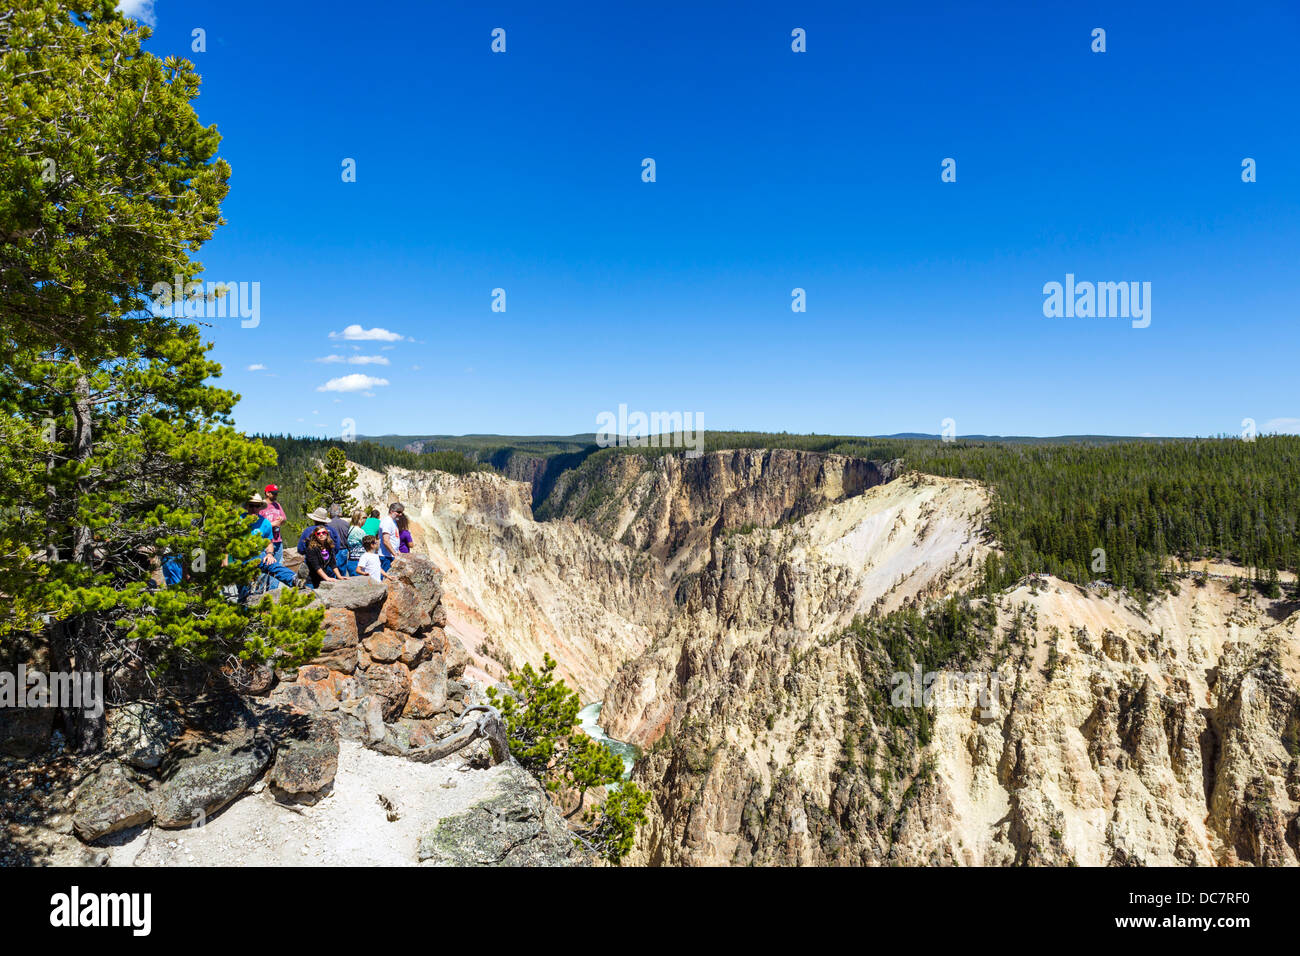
(587, 720)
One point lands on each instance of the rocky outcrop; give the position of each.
(515, 826)
(399, 692)
(109, 801)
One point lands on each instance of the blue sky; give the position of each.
(775, 170)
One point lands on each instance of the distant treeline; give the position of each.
(1140, 502)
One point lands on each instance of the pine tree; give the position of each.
(542, 719)
(332, 483)
(117, 449)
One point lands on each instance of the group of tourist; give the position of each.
(336, 547)
(332, 546)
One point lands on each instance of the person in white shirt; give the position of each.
(388, 535)
(369, 562)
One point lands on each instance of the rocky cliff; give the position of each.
(1120, 732)
(746, 618)
(767, 588)
(348, 759)
(672, 507)
(1116, 734)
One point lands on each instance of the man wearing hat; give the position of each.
(273, 512)
(319, 517)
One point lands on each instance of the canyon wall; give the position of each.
(711, 603)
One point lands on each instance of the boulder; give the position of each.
(340, 627)
(339, 645)
(440, 642)
(421, 575)
(109, 801)
(319, 680)
(422, 733)
(201, 784)
(346, 686)
(404, 610)
(361, 718)
(305, 763)
(385, 646)
(428, 695)
(414, 652)
(300, 699)
(456, 656)
(517, 826)
(391, 684)
(141, 733)
(351, 593)
(438, 616)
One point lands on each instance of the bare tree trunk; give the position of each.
(73, 641)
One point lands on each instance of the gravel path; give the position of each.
(349, 827)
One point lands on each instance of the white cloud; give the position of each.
(141, 10)
(355, 359)
(355, 333)
(257, 368)
(355, 382)
(1287, 426)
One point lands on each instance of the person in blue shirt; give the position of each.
(320, 517)
(260, 527)
(173, 571)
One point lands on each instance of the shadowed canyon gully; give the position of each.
(708, 603)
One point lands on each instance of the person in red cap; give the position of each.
(273, 512)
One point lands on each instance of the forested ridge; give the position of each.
(1056, 502)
